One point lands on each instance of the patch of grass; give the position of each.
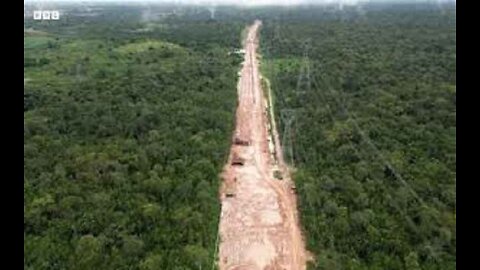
(291, 64)
(139, 47)
(37, 42)
(33, 32)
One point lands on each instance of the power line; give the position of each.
(372, 145)
(354, 147)
(317, 94)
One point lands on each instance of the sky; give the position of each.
(245, 2)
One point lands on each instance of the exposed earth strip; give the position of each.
(259, 227)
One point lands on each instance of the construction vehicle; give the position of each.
(239, 141)
(237, 160)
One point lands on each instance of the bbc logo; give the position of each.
(46, 15)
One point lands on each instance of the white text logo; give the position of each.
(46, 15)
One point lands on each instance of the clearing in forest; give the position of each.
(259, 228)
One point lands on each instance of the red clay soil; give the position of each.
(259, 227)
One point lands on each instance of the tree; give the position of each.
(152, 262)
(88, 253)
(197, 256)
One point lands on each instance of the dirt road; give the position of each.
(258, 226)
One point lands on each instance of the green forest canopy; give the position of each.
(127, 125)
(373, 132)
(125, 133)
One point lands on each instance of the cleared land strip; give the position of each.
(259, 227)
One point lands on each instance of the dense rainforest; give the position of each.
(128, 114)
(366, 102)
(127, 124)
